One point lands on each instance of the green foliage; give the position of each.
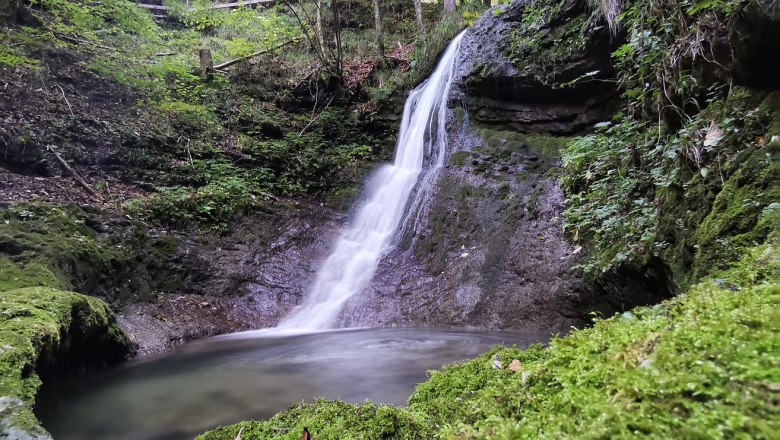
(431, 45)
(637, 190)
(92, 18)
(35, 323)
(182, 115)
(668, 40)
(610, 194)
(426, 51)
(214, 203)
(547, 36)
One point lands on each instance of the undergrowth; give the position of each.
(656, 179)
(278, 125)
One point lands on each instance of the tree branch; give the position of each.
(74, 174)
(252, 55)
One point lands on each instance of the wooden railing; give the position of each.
(232, 5)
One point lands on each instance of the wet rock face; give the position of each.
(249, 279)
(511, 72)
(489, 249)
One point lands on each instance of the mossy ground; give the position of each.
(35, 323)
(702, 365)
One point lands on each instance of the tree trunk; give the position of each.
(318, 27)
(418, 12)
(380, 45)
(449, 6)
(206, 64)
(334, 6)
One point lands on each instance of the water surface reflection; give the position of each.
(220, 381)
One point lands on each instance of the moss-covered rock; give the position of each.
(59, 240)
(521, 66)
(44, 335)
(694, 367)
(744, 213)
(331, 420)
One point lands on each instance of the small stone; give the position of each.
(204, 304)
(524, 377)
(645, 363)
(464, 255)
(497, 365)
(515, 365)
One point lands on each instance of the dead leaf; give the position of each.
(714, 135)
(515, 365)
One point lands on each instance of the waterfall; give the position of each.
(356, 254)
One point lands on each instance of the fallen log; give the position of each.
(252, 55)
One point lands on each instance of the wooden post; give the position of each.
(206, 64)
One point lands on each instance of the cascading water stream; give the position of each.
(356, 254)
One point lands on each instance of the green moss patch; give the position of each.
(44, 332)
(699, 366)
(330, 420)
(54, 246)
(32, 273)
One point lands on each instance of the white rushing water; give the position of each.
(355, 256)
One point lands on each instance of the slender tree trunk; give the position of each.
(449, 6)
(418, 12)
(318, 27)
(334, 5)
(380, 45)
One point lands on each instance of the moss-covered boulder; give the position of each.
(46, 334)
(336, 420)
(522, 66)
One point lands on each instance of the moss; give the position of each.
(459, 158)
(330, 420)
(744, 213)
(33, 273)
(39, 328)
(498, 141)
(58, 240)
